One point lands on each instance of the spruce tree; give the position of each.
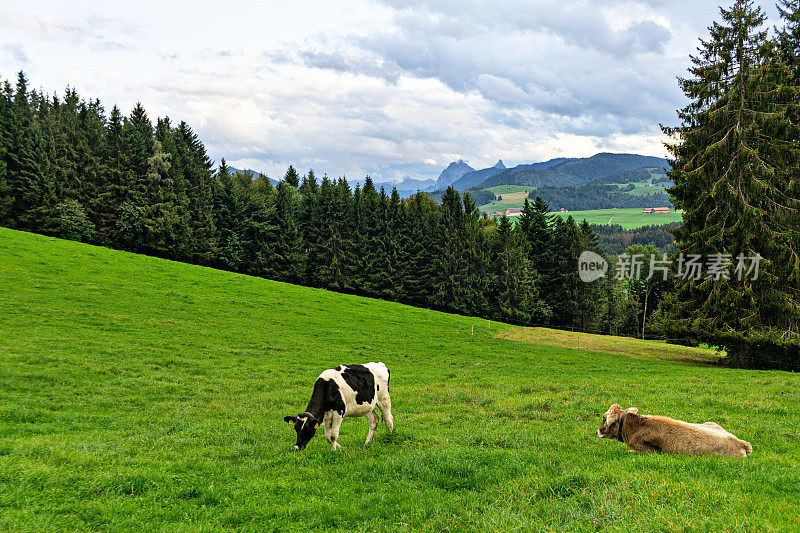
(417, 241)
(312, 228)
(514, 276)
(291, 177)
(26, 162)
(6, 192)
(228, 211)
(734, 167)
(451, 271)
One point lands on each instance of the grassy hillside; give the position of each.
(627, 218)
(138, 393)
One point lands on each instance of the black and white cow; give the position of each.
(344, 391)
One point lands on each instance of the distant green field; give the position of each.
(627, 218)
(512, 196)
(505, 189)
(139, 394)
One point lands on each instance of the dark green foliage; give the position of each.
(735, 171)
(614, 239)
(291, 177)
(71, 221)
(642, 174)
(591, 196)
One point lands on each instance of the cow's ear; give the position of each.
(290, 419)
(632, 410)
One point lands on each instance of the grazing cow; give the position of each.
(648, 433)
(344, 391)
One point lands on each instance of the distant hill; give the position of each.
(451, 174)
(643, 174)
(406, 187)
(573, 172)
(476, 177)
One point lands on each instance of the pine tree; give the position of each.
(417, 241)
(312, 228)
(291, 177)
(337, 230)
(735, 166)
(26, 161)
(451, 271)
(515, 278)
(198, 168)
(228, 211)
(564, 281)
(288, 250)
(6, 192)
(132, 230)
(590, 304)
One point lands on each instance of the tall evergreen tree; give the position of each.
(291, 177)
(734, 167)
(288, 250)
(515, 278)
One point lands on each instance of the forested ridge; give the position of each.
(591, 196)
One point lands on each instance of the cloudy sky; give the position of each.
(393, 88)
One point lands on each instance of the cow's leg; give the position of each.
(326, 426)
(385, 403)
(642, 445)
(336, 423)
(372, 418)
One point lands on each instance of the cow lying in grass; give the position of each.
(646, 433)
(344, 391)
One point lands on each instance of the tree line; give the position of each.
(591, 196)
(70, 170)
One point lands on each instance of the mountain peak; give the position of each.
(452, 173)
(499, 164)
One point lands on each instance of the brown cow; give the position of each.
(648, 433)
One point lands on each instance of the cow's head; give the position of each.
(610, 427)
(306, 427)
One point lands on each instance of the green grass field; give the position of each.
(506, 189)
(512, 196)
(627, 218)
(143, 394)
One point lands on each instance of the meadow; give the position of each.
(627, 218)
(510, 196)
(139, 393)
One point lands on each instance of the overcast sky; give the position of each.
(392, 88)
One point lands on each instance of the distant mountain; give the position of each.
(405, 187)
(451, 174)
(408, 186)
(573, 172)
(471, 179)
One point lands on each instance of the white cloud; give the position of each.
(396, 88)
